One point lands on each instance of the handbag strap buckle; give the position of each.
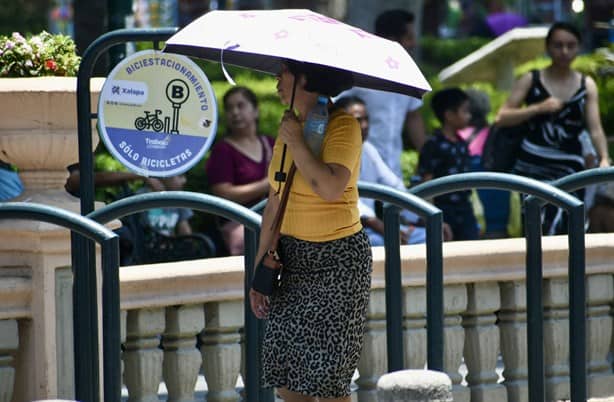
(274, 254)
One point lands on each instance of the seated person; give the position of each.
(237, 167)
(374, 170)
(10, 184)
(168, 221)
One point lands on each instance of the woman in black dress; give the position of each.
(559, 104)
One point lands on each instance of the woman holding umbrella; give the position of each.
(313, 338)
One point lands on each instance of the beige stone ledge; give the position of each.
(217, 279)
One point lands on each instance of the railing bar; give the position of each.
(434, 295)
(535, 315)
(577, 305)
(111, 320)
(394, 288)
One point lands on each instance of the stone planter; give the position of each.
(38, 134)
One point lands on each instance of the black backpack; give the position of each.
(502, 146)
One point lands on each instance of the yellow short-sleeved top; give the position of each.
(308, 216)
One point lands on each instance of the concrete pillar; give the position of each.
(414, 327)
(221, 349)
(600, 292)
(455, 304)
(482, 342)
(556, 338)
(182, 360)
(142, 356)
(513, 329)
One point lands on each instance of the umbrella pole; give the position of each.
(280, 175)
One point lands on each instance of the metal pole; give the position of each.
(85, 322)
(394, 288)
(434, 292)
(535, 315)
(577, 305)
(111, 340)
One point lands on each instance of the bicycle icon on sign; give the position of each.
(150, 120)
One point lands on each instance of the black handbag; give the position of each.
(502, 146)
(503, 143)
(268, 271)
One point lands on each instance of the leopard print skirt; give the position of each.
(313, 338)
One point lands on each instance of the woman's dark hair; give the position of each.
(449, 99)
(324, 80)
(563, 26)
(246, 92)
(348, 101)
(393, 23)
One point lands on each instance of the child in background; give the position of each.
(446, 153)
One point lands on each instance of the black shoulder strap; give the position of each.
(535, 76)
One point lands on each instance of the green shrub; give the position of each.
(38, 55)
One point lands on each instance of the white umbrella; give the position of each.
(261, 39)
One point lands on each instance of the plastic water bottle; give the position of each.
(315, 125)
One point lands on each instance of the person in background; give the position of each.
(560, 104)
(104, 179)
(393, 114)
(446, 153)
(374, 170)
(170, 221)
(495, 203)
(10, 183)
(236, 169)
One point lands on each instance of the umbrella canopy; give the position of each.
(261, 39)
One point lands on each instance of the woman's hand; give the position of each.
(259, 304)
(551, 105)
(290, 129)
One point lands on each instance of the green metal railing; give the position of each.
(229, 210)
(109, 243)
(577, 296)
(532, 224)
(395, 201)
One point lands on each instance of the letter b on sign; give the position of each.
(177, 91)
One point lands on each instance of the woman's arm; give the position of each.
(512, 112)
(260, 303)
(593, 122)
(266, 231)
(243, 193)
(328, 180)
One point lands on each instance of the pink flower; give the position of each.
(51, 65)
